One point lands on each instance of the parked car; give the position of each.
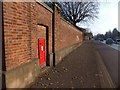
(100, 39)
(117, 41)
(109, 41)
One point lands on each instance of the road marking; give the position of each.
(105, 71)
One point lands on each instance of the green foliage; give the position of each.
(50, 4)
(115, 34)
(108, 35)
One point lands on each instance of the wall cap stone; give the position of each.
(44, 5)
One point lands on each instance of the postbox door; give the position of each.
(42, 51)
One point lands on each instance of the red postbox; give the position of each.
(41, 50)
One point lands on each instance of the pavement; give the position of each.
(79, 69)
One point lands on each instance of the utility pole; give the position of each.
(53, 33)
(2, 49)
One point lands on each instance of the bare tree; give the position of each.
(76, 12)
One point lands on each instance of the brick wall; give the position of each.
(21, 29)
(17, 34)
(39, 15)
(65, 33)
(23, 24)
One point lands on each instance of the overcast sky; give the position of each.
(108, 17)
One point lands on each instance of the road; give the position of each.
(115, 46)
(110, 59)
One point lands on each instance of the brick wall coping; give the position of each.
(44, 5)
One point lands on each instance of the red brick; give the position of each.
(22, 31)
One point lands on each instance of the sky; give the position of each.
(107, 18)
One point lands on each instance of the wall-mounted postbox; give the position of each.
(41, 50)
